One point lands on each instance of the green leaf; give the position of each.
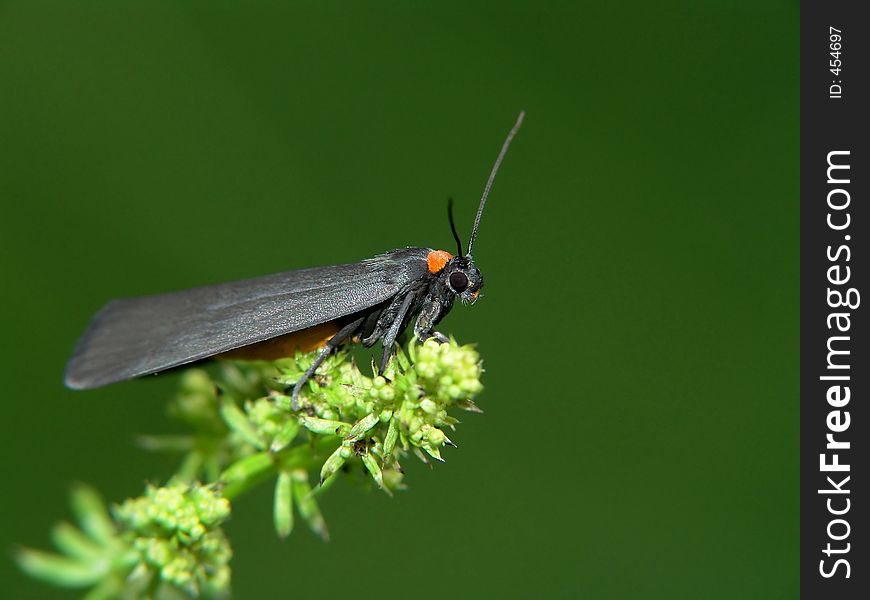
(239, 422)
(75, 544)
(244, 473)
(91, 514)
(335, 461)
(374, 469)
(282, 401)
(362, 427)
(323, 487)
(402, 359)
(236, 381)
(108, 589)
(285, 436)
(469, 406)
(308, 505)
(166, 443)
(324, 426)
(433, 452)
(284, 504)
(189, 468)
(419, 454)
(391, 437)
(139, 581)
(59, 570)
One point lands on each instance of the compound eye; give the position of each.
(459, 281)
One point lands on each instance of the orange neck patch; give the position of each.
(437, 259)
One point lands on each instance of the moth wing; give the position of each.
(140, 336)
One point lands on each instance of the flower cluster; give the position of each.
(380, 418)
(176, 531)
(244, 430)
(166, 544)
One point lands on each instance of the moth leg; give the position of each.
(343, 333)
(429, 315)
(384, 320)
(393, 331)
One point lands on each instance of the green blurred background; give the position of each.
(640, 248)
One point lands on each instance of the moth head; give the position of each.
(463, 278)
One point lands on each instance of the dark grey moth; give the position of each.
(266, 317)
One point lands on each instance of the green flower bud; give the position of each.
(428, 406)
(435, 437)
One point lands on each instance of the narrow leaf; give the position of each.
(282, 401)
(165, 443)
(91, 513)
(433, 452)
(286, 435)
(392, 436)
(108, 589)
(189, 467)
(335, 461)
(469, 406)
(308, 505)
(284, 504)
(236, 420)
(374, 469)
(244, 473)
(362, 427)
(73, 543)
(402, 359)
(419, 454)
(323, 487)
(58, 570)
(324, 426)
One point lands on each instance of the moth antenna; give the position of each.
(453, 226)
(504, 147)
